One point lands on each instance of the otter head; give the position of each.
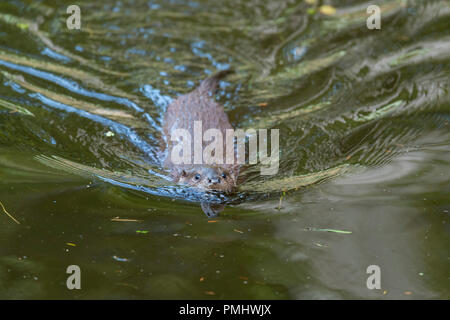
(209, 177)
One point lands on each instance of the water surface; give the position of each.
(364, 139)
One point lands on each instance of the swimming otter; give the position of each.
(199, 105)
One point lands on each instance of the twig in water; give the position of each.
(281, 200)
(8, 214)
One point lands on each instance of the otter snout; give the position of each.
(213, 180)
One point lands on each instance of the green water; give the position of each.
(364, 148)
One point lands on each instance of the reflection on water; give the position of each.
(363, 118)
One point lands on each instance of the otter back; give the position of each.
(198, 105)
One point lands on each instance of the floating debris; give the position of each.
(327, 10)
(23, 26)
(125, 220)
(8, 214)
(142, 231)
(329, 230)
(239, 231)
(120, 259)
(128, 285)
(281, 200)
(71, 244)
(15, 108)
(320, 245)
(408, 293)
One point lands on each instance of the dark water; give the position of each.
(364, 139)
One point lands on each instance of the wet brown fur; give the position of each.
(199, 105)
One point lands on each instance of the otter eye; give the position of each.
(224, 175)
(197, 177)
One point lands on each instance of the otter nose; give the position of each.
(213, 180)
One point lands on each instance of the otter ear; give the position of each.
(235, 170)
(177, 174)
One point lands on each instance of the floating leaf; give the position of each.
(125, 220)
(13, 107)
(329, 230)
(327, 10)
(23, 26)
